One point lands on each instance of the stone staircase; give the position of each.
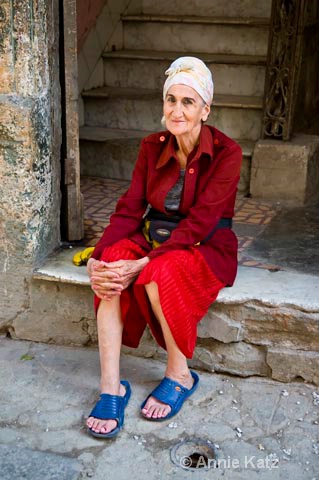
(232, 42)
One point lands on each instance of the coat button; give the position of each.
(191, 170)
(216, 141)
(162, 138)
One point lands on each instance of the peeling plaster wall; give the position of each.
(30, 139)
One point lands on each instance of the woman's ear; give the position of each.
(206, 112)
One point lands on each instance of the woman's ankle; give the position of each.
(182, 376)
(113, 387)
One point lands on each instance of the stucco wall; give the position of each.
(30, 138)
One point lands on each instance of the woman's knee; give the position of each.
(111, 254)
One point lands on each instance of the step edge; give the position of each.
(228, 296)
(50, 277)
(253, 60)
(226, 101)
(132, 134)
(229, 21)
(246, 145)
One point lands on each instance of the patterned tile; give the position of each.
(100, 196)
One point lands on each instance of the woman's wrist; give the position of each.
(144, 261)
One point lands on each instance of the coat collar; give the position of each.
(206, 146)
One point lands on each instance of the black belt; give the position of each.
(223, 223)
(162, 225)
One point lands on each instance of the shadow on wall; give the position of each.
(87, 12)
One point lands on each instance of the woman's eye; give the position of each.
(187, 101)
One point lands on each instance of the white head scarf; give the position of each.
(190, 71)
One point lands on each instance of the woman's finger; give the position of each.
(108, 286)
(116, 264)
(105, 274)
(111, 281)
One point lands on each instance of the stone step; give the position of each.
(111, 153)
(141, 109)
(247, 36)
(232, 74)
(268, 320)
(100, 134)
(218, 8)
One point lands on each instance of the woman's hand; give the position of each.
(89, 266)
(128, 270)
(110, 279)
(104, 282)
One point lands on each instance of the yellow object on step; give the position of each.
(81, 258)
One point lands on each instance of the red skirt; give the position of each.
(187, 288)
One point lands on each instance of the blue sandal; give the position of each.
(111, 407)
(173, 394)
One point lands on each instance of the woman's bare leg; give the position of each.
(177, 368)
(110, 327)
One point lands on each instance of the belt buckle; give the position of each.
(163, 232)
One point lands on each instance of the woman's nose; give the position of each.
(178, 108)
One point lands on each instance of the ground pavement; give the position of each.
(259, 428)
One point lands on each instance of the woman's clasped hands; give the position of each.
(109, 279)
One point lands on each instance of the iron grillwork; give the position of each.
(284, 56)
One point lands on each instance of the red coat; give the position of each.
(210, 186)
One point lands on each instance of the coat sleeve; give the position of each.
(210, 205)
(130, 208)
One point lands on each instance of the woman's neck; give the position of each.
(187, 143)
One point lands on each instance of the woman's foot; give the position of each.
(155, 408)
(106, 426)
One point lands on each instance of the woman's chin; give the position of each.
(176, 128)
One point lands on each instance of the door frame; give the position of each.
(72, 219)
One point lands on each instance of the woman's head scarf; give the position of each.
(190, 71)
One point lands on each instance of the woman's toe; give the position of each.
(155, 412)
(161, 412)
(104, 429)
(151, 411)
(95, 425)
(148, 404)
(89, 422)
(158, 412)
(167, 410)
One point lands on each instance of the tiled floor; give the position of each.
(100, 197)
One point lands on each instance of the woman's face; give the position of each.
(184, 109)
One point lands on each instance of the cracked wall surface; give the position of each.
(30, 138)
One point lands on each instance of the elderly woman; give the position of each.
(168, 250)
